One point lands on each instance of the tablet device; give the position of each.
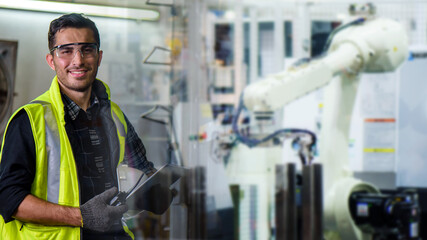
(153, 194)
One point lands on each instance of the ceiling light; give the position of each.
(160, 2)
(90, 10)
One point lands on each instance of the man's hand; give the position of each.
(98, 215)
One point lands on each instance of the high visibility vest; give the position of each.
(56, 177)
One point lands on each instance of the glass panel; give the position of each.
(288, 39)
(194, 107)
(265, 48)
(320, 31)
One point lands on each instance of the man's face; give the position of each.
(77, 73)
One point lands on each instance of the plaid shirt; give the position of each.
(88, 139)
(135, 153)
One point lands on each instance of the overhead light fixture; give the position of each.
(160, 2)
(90, 10)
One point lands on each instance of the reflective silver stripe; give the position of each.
(53, 152)
(119, 125)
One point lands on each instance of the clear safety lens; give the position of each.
(68, 51)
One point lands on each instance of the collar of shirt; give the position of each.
(73, 109)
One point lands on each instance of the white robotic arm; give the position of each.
(378, 45)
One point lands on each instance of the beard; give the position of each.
(77, 84)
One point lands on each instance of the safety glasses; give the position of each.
(68, 51)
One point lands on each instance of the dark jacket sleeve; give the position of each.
(17, 165)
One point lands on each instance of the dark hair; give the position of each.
(73, 20)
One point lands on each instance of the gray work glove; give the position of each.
(98, 215)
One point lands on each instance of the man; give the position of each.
(60, 152)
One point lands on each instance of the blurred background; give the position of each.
(179, 68)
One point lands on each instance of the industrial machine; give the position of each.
(387, 217)
(8, 51)
(366, 44)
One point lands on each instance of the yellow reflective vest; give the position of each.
(56, 178)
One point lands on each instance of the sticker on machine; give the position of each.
(362, 210)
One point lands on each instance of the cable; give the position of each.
(252, 142)
(152, 110)
(172, 139)
(338, 29)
